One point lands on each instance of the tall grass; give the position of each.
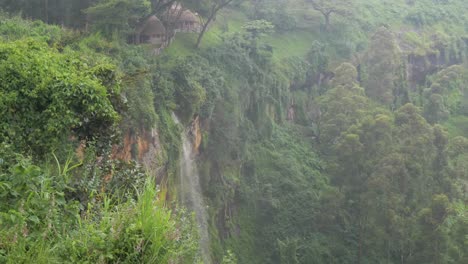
(38, 225)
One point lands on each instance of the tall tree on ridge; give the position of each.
(329, 7)
(208, 9)
(382, 62)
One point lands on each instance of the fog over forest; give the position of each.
(234, 131)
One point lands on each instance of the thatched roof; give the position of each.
(188, 16)
(153, 26)
(176, 6)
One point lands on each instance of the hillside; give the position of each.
(298, 131)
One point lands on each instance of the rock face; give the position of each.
(423, 62)
(150, 152)
(291, 113)
(124, 151)
(144, 147)
(196, 135)
(420, 66)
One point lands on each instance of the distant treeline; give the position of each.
(62, 12)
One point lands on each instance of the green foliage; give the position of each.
(189, 93)
(288, 252)
(47, 95)
(447, 88)
(341, 106)
(342, 179)
(170, 136)
(117, 16)
(434, 109)
(141, 108)
(64, 12)
(32, 200)
(258, 28)
(42, 222)
(372, 155)
(382, 63)
(457, 125)
(141, 232)
(345, 75)
(16, 28)
(281, 183)
(329, 7)
(276, 12)
(229, 258)
(189, 86)
(318, 59)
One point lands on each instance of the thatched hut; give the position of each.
(182, 20)
(153, 32)
(188, 22)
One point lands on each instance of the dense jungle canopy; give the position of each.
(234, 131)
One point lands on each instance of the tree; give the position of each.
(433, 238)
(288, 251)
(414, 135)
(447, 93)
(117, 16)
(46, 96)
(318, 58)
(382, 62)
(159, 5)
(434, 109)
(329, 7)
(255, 30)
(441, 143)
(229, 258)
(341, 106)
(208, 9)
(275, 11)
(258, 28)
(345, 75)
(63, 12)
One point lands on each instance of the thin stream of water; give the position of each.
(191, 194)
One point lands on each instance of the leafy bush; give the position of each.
(40, 223)
(16, 28)
(44, 95)
(117, 16)
(141, 231)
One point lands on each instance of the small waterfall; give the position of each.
(191, 195)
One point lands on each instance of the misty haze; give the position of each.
(234, 131)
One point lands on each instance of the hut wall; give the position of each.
(155, 39)
(188, 27)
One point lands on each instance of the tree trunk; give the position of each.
(46, 11)
(204, 28)
(360, 243)
(327, 21)
(214, 10)
(200, 36)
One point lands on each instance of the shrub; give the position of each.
(45, 95)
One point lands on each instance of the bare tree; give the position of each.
(329, 7)
(170, 17)
(158, 6)
(210, 13)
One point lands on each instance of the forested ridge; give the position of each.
(320, 131)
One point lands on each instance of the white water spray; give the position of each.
(191, 195)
